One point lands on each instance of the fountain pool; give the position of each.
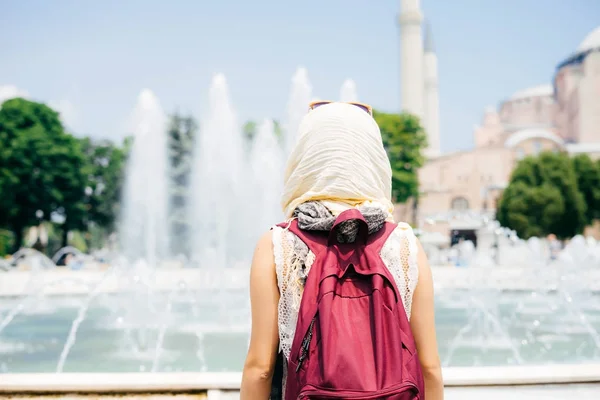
(207, 330)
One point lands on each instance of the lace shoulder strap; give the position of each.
(292, 267)
(399, 254)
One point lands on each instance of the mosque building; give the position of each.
(458, 189)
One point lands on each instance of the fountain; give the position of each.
(145, 313)
(29, 258)
(300, 97)
(348, 91)
(144, 228)
(219, 209)
(516, 301)
(63, 252)
(266, 161)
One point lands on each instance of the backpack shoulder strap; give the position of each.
(316, 241)
(377, 240)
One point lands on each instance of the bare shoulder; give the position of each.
(420, 251)
(265, 241)
(263, 260)
(425, 273)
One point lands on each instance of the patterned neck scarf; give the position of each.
(314, 216)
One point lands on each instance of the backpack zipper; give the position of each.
(353, 395)
(305, 344)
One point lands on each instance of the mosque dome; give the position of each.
(591, 41)
(535, 91)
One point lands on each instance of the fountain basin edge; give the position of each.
(67, 282)
(224, 381)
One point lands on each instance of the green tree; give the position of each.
(70, 181)
(182, 133)
(542, 198)
(278, 129)
(105, 175)
(588, 181)
(530, 210)
(404, 139)
(40, 167)
(6, 239)
(250, 129)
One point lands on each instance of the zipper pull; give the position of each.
(300, 361)
(305, 344)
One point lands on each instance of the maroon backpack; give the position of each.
(353, 339)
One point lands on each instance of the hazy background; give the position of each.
(90, 59)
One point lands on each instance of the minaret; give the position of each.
(431, 121)
(411, 58)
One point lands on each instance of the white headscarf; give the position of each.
(339, 160)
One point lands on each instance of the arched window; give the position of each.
(459, 204)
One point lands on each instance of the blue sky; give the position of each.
(92, 58)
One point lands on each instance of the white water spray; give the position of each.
(348, 91)
(300, 97)
(144, 227)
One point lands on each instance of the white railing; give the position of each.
(218, 384)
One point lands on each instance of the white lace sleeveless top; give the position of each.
(399, 254)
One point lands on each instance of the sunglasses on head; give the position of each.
(365, 107)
